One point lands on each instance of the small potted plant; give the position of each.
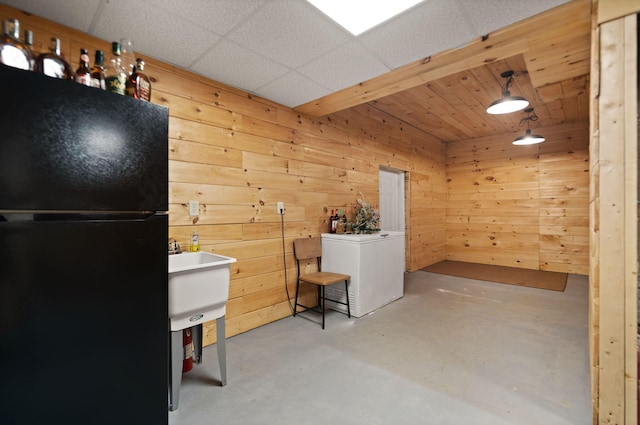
(366, 218)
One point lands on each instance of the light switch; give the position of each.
(194, 208)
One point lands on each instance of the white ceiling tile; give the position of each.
(153, 31)
(343, 67)
(237, 66)
(292, 90)
(432, 27)
(284, 50)
(489, 15)
(291, 32)
(218, 16)
(76, 14)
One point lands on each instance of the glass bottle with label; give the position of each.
(116, 80)
(52, 63)
(83, 73)
(13, 52)
(138, 84)
(97, 71)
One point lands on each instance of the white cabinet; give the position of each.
(374, 262)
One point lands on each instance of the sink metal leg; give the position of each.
(176, 357)
(222, 349)
(196, 334)
(175, 371)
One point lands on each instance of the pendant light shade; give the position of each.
(507, 103)
(528, 138)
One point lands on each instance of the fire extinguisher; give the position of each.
(187, 347)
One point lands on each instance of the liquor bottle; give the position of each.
(52, 64)
(13, 52)
(83, 73)
(116, 80)
(28, 40)
(138, 84)
(332, 223)
(195, 242)
(97, 71)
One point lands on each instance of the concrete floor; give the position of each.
(452, 351)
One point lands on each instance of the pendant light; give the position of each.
(528, 138)
(507, 103)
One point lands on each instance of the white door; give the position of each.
(391, 183)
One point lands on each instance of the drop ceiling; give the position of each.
(286, 51)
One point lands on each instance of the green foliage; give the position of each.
(366, 219)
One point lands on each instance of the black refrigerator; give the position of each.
(83, 254)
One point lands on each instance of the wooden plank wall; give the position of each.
(238, 155)
(521, 206)
(423, 159)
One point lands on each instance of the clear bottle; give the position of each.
(195, 242)
(138, 84)
(98, 76)
(83, 73)
(341, 227)
(116, 80)
(52, 63)
(14, 52)
(332, 223)
(127, 56)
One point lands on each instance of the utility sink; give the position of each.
(198, 288)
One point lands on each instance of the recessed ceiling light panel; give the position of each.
(357, 16)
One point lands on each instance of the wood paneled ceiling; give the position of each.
(447, 95)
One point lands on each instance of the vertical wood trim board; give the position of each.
(594, 222)
(614, 267)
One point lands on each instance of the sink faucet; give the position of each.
(174, 247)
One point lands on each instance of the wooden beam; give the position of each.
(507, 42)
(609, 10)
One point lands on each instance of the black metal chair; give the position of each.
(310, 249)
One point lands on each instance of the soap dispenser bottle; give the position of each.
(195, 242)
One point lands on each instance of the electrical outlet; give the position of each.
(280, 208)
(194, 208)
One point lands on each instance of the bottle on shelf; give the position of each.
(52, 63)
(98, 76)
(138, 84)
(116, 80)
(13, 51)
(127, 57)
(28, 40)
(195, 242)
(83, 73)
